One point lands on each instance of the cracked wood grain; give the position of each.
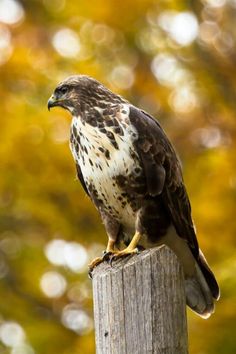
(139, 305)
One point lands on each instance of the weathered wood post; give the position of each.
(139, 305)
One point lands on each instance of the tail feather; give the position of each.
(198, 294)
(202, 288)
(200, 284)
(209, 276)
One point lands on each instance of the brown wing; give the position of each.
(163, 174)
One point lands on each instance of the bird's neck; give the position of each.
(97, 113)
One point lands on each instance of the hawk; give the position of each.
(129, 169)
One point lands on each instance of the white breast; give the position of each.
(100, 172)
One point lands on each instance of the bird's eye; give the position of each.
(64, 89)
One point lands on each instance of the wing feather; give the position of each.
(163, 174)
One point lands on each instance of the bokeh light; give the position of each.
(23, 349)
(122, 76)
(182, 27)
(102, 34)
(76, 257)
(55, 252)
(76, 319)
(10, 244)
(68, 254)
(66, 42)
(215, 3)
(53, 284)
(210, 137)
(11, 12)
(183, 99)
(6, 47)
(168, 71)
(11, 334)
(209, 30)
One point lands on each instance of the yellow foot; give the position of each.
(98, 260)
(106, 257)
(110, 257)
(126, 252)
(94, 264)
(110, 254)
(121, 254)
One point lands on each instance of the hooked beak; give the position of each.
(52, 102)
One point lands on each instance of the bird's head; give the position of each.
(78, 93)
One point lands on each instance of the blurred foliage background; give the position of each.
(175, 59)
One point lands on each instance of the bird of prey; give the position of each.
(129, 169)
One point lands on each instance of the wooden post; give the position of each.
(139, 305)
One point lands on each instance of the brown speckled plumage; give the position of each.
(129, 169)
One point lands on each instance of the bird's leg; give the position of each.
(109, 250)
(110, 246)
(130, 249)
(112, 227)
(111, 254)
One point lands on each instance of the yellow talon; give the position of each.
(111, 254)
(95, 262)
(98, 260)
(130, 249)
